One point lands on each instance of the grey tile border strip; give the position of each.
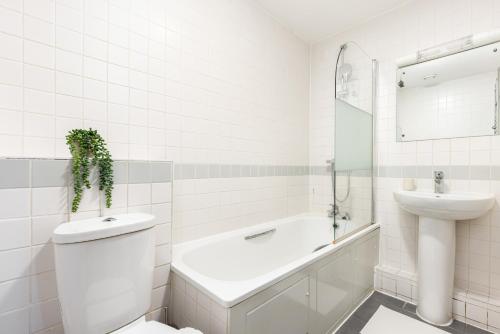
(139, 172)
(26, 172)
(210, 171)
(14, 174)
(50, 173)
(39, 172)
(459, 172)
(120, 172)
(161, 172)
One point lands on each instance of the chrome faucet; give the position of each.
(438, 182)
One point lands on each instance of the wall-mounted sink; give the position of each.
(436, 245)
(459, 206)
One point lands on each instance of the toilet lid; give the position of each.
(151, 327)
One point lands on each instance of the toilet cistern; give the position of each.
(105, 271)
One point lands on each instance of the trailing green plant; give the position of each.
(89, 149)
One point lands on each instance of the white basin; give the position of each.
(459, 206)
(436, 245)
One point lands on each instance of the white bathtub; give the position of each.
(230, 269)
(226, 284)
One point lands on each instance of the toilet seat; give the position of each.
(150, 327)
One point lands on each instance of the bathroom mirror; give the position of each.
(449, 96)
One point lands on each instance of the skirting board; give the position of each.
(473, 309)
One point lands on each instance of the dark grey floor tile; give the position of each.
(474, 330)
(458, 326)
(410, 308)
(353, 325)
(366, 311)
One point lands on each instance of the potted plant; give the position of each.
(88, 149)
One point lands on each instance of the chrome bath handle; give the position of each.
(260, 234)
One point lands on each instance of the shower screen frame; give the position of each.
(374, 72)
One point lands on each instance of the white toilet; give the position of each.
(104, 271)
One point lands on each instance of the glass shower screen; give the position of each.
(352, 167)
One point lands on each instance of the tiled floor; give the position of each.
(359, 319)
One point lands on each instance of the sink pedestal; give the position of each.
(436, 270)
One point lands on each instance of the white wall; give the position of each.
(191, 81)
(239, 97)
(418, 25)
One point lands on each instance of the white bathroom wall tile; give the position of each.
(12, 4)
(37, 125)
(17, 321)
(158, 315)
(161, 193)
(43, 286)
(459, 307)
(42, 227)
(12, 72)
(11, 122)
(39, 78)
(118, 94)
(43, 9)
(118, 55)
(15, 203)
(163, 233)
(39, 30)
(139, 194)
(11, 22)
(119, 36)
(90, 199)
(64, 125)
(162, 212)
(163, 255)
(69, 84)
(161, 275)
(40, 102)
(49, 201)
(12, 47)
(159, 297)
(69, 62)
(120, 195)
(403, 288)
(38, 147)
(14, 263)
(389, 284)
(11, 97)
(118, 74)
(69, 40)
(39, 54)
(96, 27)
(476, 313)
(69, 17)
(94, 89)
(14, 294)
(95, 48)
(69, 106)
(45, 315)
(42, 258)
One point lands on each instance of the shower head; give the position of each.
(345, 71)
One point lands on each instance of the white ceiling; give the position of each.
(314, 20)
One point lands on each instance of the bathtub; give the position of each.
(226, 276)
